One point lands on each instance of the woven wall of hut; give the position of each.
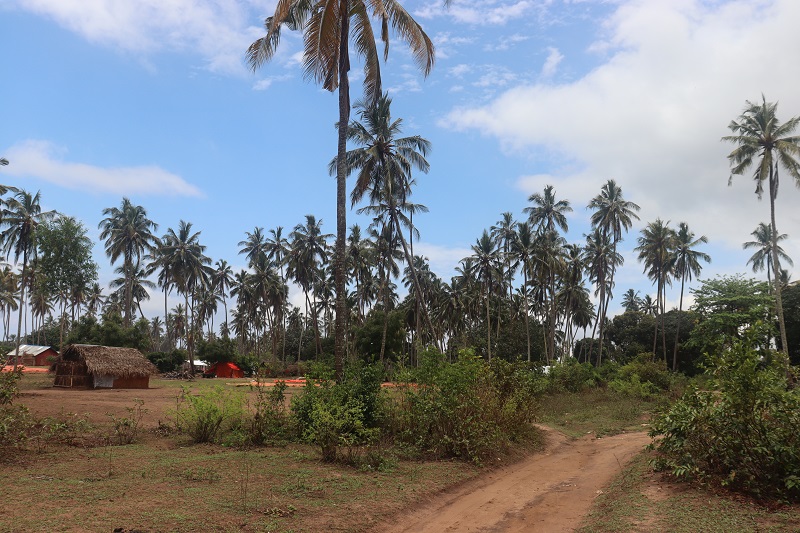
(72, 374)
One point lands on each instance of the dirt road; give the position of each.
(549, 492)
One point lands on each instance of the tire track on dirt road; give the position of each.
(549, 492)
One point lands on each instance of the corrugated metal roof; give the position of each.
(28, 349)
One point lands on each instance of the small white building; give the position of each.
(199, 366)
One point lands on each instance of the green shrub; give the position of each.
(319, 370)
(126, 428)
(207, 416)
(9, 385)
(648, 371)
(741, 432)
(15, 426)
(168, 361)
(268, 421)
(571, 376)
(642, 378)
(468, 409)
(332, 415)
(634, 387)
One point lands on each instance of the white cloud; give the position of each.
(446, 44)
(506, 42)
(409, 83)
(442, 259)
(220, 31)
(652, 115)
(459, 70)
(477, 12)
(265, 83)
(554, 57)
(43, 160)
(495, 76)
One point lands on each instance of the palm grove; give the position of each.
(524, 293)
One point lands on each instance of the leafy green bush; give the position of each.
(642, 378)
(268, 421)
(468, 409)
(742, 431)
(9, 385)
(207, 416)
(634, 387)
(168, 361)
(126, 428)
(319, 370)
(571, 376)
(332, 415)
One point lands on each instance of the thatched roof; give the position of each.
(110, 361)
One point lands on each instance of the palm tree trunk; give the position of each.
(128, 292)
(488, 326)
(413, 270)
(776, 269)
(601, 284)
(188, 329)
(664, 322)
(166, 317)
(678, 327)
(318, 343)
(385, 314)
(21, 300)
(525, 300)
(341, 188)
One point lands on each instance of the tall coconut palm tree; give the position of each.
(548, 267)
(360, 258)
(384, 161)
(21, 216)
(221, 280)
(631, 301)
(600, 257)
(128, 234)
(309, 249)
(137, 283)
(522, 248)
(657, 251)
(94, 299)
(767, 144)
(254, 246)
(486, 269)
(649, 306)
(159, 262)
(189, 267)
(572, 290)
(327, 27)
(762, 258)
(547, 213)
(276, 247)
(613, 215)
(504, 233)
(9, 285)
(687, 264)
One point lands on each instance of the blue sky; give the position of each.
(151, 99)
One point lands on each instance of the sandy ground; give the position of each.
(548, 492)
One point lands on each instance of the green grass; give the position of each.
(600, 411)
(640, 500)
(154, 487)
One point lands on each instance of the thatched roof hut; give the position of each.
(90, 366)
